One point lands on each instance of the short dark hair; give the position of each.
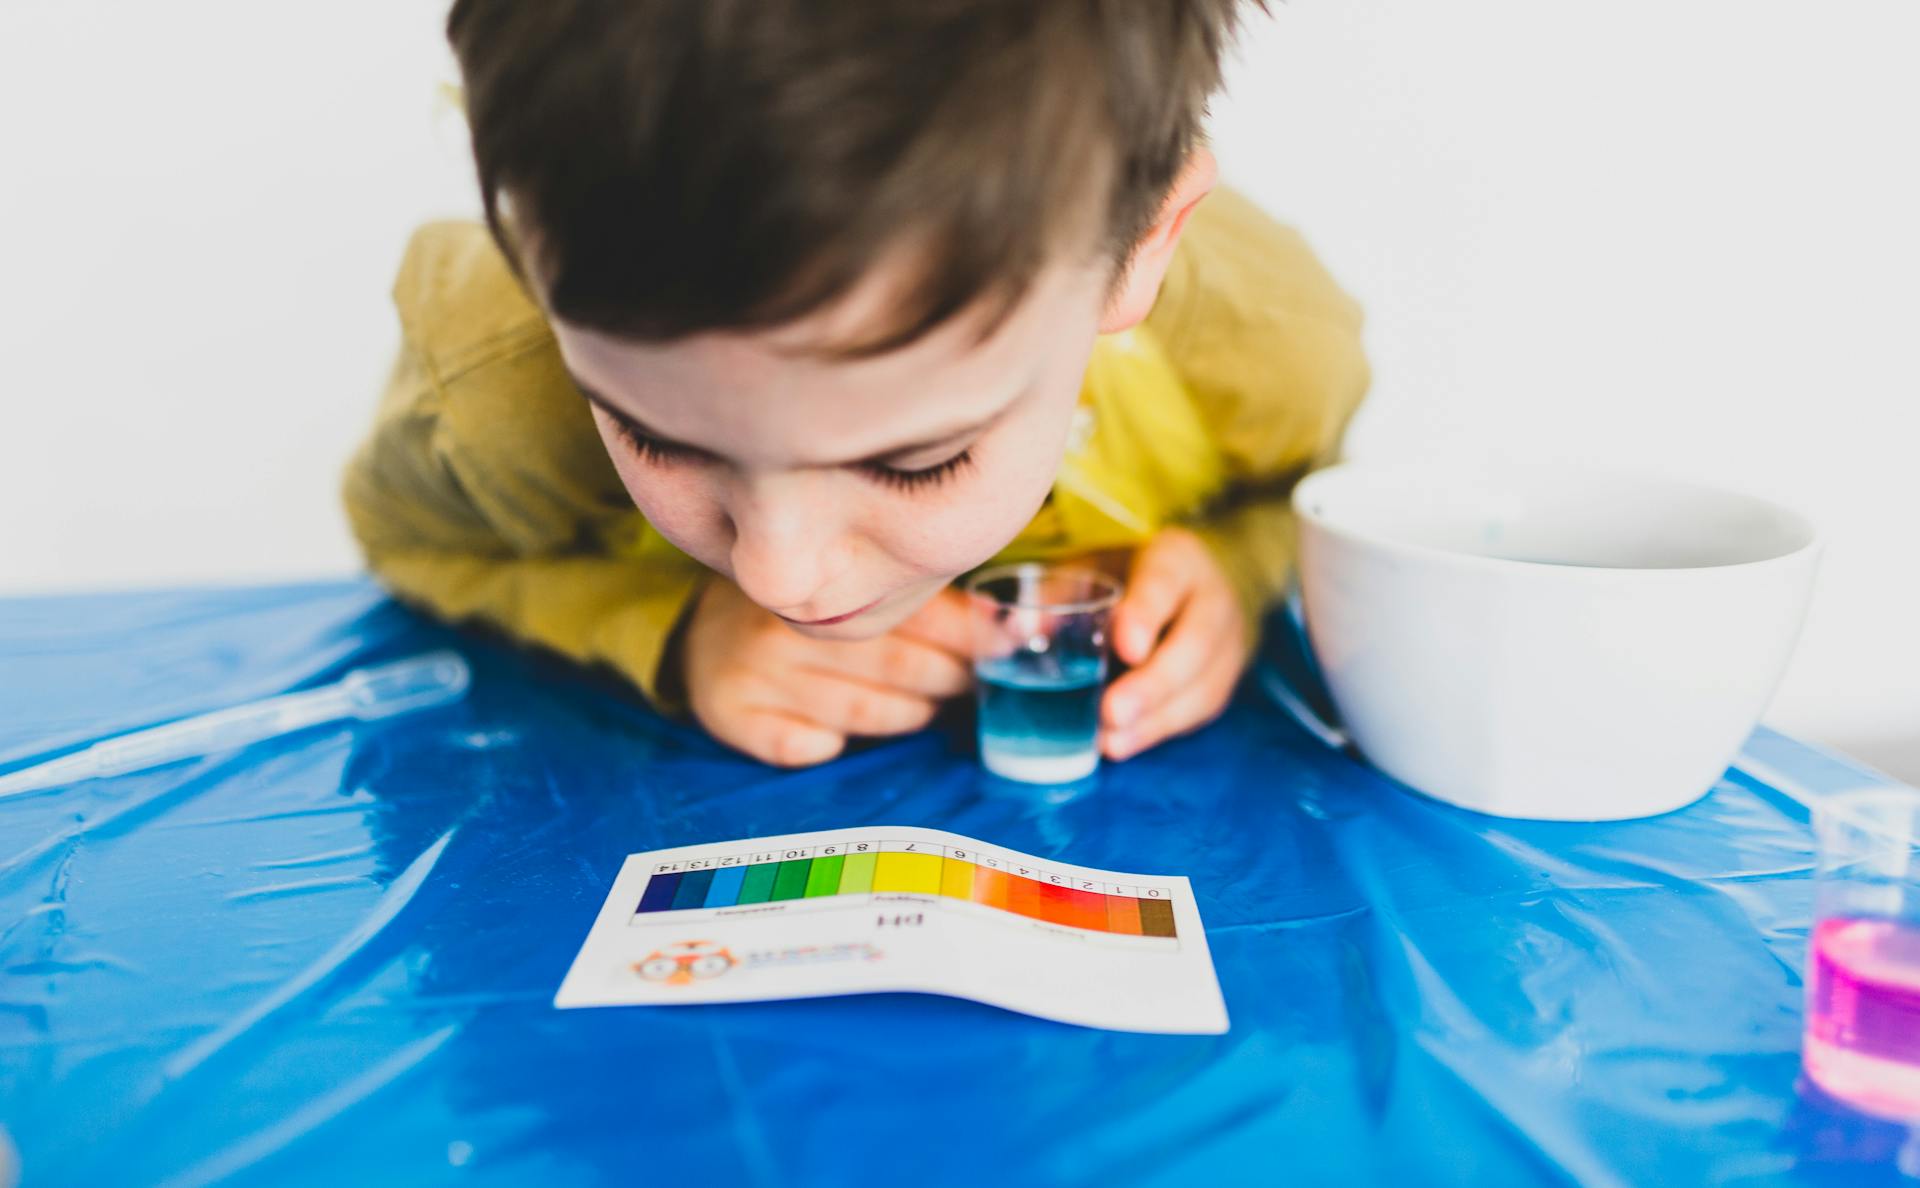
(682, 166)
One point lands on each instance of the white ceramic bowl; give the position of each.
(1576, 646)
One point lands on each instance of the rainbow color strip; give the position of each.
(873, 867)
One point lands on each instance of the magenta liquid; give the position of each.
(1863, 1013)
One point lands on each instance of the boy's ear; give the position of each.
(1133, 296)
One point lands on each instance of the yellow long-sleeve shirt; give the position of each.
(484, 493)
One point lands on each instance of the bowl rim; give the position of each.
(1812, 545)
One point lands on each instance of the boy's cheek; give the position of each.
(680, 510)
(984, 514)
(947, 545)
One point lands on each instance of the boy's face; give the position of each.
(842, 494)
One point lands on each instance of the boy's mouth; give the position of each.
(835, 619)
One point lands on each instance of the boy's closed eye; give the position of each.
(660, 451)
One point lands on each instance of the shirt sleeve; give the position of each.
(1270, 350)
(483, 495)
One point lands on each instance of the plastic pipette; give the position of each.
(365, 693)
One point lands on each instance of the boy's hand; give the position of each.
(1180, 626)
(758, 685)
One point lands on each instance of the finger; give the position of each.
(1199, 632)
(1195, 705)
(781, 739)
(853, 707)
(945, 622)
(895, 662)
(1163, 576)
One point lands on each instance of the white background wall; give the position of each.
(1680, 234)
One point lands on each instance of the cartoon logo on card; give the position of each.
(685, 962)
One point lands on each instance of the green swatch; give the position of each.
(758, 884)
(824, 878)
(790, 881)
(856, 877)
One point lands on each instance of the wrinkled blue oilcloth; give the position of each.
(330, 959)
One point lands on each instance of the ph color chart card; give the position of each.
(894, 908)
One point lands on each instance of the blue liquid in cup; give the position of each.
(1040, 716)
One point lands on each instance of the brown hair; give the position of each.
(693, 165)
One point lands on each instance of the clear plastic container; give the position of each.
(1862, 1042)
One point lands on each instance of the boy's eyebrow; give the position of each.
(636, 426)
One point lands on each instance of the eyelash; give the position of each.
(657, 452)
(920, 480)
(652, 449)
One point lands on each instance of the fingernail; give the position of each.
(1123, 710)
(1139, 640)
(1119, 746)
(813, 746)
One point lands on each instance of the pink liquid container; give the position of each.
(1862, 1041)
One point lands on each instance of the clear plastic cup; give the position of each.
(1862, 1042)
(1040, 663)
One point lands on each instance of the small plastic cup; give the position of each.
(1862, 1042)
(1040, 663)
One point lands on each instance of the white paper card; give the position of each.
(899, 908)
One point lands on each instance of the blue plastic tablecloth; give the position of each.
(331, 959)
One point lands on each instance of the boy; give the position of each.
(793, 312)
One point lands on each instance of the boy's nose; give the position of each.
(783, 535)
